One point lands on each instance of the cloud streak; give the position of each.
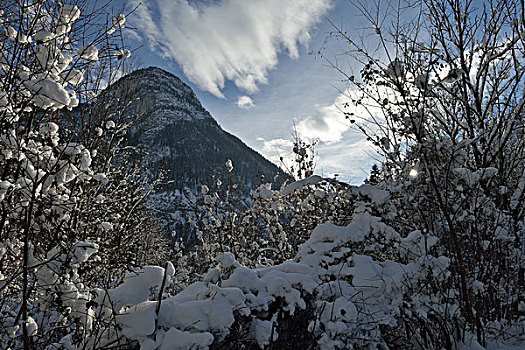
(235, 40)
(328, 123)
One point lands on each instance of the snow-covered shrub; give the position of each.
(232, 306)
(329, 296)
(361, 285)
(444, 107)
(267, 229)
(71, 208)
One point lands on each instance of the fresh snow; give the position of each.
(294, 186)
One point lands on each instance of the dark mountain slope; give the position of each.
(181, 137)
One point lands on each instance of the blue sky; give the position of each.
(250, 64)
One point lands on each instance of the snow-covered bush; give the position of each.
(329, 296)
(265, 230)
(71, 208)
(362, 285)
(444, 106)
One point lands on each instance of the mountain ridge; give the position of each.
(183, 139)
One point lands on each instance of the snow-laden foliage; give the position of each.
(350, 286)
(264, 231)
(72, 209)
(445, 108)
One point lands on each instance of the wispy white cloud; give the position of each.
(142, 18)
(245, 102)
(328, 124)
(351, 158)
(234, 40)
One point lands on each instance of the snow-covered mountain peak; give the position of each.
(163, 96)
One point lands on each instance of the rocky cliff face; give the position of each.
(183, 139)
